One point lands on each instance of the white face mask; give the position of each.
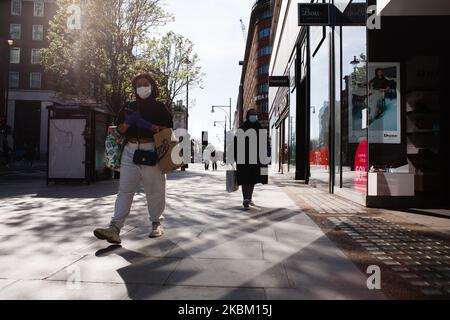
(144, 92)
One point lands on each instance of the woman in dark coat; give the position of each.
(250, 173)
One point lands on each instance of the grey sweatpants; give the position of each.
(131, 176)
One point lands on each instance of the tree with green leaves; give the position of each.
(174, 64)
(97, 60)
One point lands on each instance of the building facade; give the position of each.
(363, 112)
(255, 69)
(26, 88)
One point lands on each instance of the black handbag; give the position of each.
(145, 158)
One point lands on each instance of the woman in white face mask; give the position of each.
(139, 121)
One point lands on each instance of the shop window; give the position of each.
(14, 79)
(38, 32)
(292, 119)
(16, 7)
(35, 80)
(15, 31)
(319, 115)
(351, 113)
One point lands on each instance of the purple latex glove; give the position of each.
(143, 124)
(131, 118)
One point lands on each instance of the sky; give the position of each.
(215, 29)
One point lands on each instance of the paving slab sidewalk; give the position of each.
(212, 249)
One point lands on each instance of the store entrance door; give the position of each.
(284, 146)
(27, 126)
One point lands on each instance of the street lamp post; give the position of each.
(222, 108)
(187, 62)
(225, 137)
(8, 62)
(229, 119)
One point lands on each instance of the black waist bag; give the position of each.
(145, 158)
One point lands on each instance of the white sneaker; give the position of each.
(110, 234)
(157, 230)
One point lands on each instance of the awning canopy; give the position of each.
(413, 7)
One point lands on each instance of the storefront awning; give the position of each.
(413, 7)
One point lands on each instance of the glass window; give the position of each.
(264, 51)
(285, 145)
(263, 69)
(293, 119)
(264, 33)
(35, 80)
(16, 7)
(35, 56)
(15, 31)
(38, 32)
(265, 15)
(263, 88)
(263, 107)
(38, 8)
(353, 109)
(14, 79)
(319, 115)
(14, 55)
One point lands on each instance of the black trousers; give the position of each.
(214, 165)
(247, 191)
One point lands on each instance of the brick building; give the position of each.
(254, 87)
(26, 23)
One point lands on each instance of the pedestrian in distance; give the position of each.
(30, 154)
(250, 174)
(139, 121)
(214, 160)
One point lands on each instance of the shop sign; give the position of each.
(354, 15)
(361, 167)
(314, 14)
(277, 81)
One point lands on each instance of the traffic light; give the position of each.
(205, 139)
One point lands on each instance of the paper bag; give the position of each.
(168, 149)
